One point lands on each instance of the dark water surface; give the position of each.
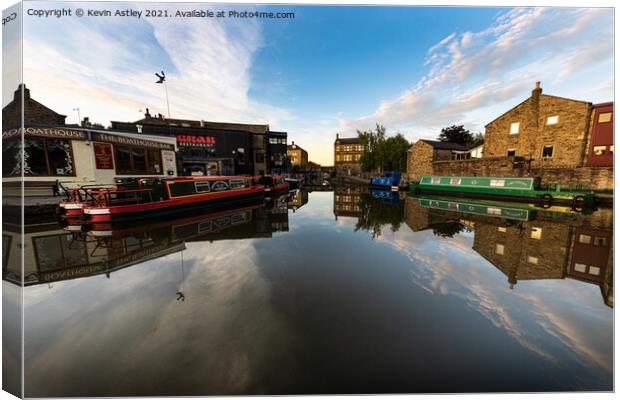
(326, 292)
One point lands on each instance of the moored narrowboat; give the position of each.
(147, 196)
(503, 188)
(389, 180)
(272, 183)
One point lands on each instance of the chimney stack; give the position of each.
(336, 136)
(537, 90)
(147, 114)
(18, 92)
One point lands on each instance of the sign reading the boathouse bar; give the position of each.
(74, 134)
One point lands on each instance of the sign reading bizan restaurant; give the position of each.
(195, 141)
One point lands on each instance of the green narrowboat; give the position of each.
(503, 188)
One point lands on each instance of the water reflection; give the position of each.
(345, 292)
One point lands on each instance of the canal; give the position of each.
(323, 293)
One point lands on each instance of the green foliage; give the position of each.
(477, 140)
(456, 134)
(383, 153)
(376, 213)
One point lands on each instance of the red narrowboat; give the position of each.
(272, 183)
(136, 197)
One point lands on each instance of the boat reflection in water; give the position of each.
(525, 243)
(357, 292)
(56, 252)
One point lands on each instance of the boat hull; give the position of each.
(133, 211)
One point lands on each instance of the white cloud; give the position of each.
(472, 74)
(111, 76)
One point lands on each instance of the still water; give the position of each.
(323, 292)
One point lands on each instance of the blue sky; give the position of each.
(332, 69)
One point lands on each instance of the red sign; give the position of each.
(191, 140)
(103, 156)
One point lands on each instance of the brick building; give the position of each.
(297, 156)
(347, 155)
(423, 153)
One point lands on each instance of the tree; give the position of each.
(477, 140)
(381, 153)
(456, 134)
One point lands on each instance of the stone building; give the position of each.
(545, 128)
(562, 141)
(297, 156)
(347, 155)
(423, 153)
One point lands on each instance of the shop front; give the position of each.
(76, 156)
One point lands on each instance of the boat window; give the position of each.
(435, 181)
(594, 270)
(497, 182)
(202, 187)
(599, 150)
(553, 119)
(455, 181)
(536, 233)
(585, 239)
(547, 151)
(600, 241)
(604, 117)
(499, 249)
(219, 186)
(494, 211)
(532, 260)
(611, 148)
(514, 128)
(580, 267)
(511, 152)
(237, 183)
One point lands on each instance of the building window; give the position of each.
(585, 239)
(599, 150)
(511, 152)
(536, 233)
(580, 267)
(514, 128)
(600, 241)
(604, 117)
(48, 157)
(594, 270)
(130, 160)
(552, 120)
(547, 151)
(501, 229)
(499, 249)
(532, 260)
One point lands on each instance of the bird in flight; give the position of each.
(161, 77)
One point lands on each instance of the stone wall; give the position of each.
(569, 176)
(568, 136)
(420, 159)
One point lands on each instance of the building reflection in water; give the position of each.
(537, 244)
(53, 252)
(297, 199)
